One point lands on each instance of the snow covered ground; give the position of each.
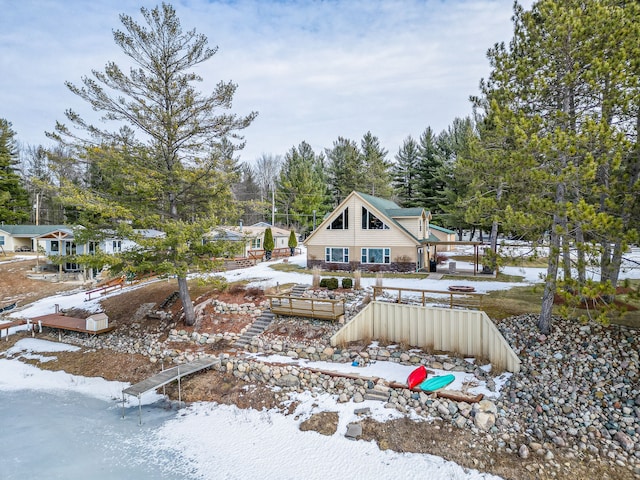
(206, 440)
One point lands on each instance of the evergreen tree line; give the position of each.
(293, 185)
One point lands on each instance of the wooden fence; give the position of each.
(456, 299)
(466, 332)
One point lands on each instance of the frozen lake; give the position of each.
(61, 426)
(67, 435)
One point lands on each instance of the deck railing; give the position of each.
(466, 332)
(323, 308)
(456, 299)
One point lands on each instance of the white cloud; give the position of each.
(313, 70)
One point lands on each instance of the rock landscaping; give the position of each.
(577, 395)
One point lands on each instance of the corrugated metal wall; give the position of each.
(466, 332)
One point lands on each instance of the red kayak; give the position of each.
(417, 377)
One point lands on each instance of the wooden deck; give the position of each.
(325, 309)
(64, 322)
(54, 320)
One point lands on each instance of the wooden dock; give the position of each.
(64, 322)
(326, 309)
(164, 377)
(54, 320)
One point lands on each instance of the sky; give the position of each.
(313, 70)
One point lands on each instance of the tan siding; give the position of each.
(355, 238)
(412, 225)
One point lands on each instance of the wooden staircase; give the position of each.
(298, 290)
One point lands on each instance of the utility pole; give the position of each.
(273, 206)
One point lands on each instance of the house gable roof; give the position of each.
(387, 209)
(381, 205)
(31, 231)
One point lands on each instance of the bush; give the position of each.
(347, 283)
(330, 283)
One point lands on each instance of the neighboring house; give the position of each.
(252, 237)
(25, 238)
(58, 240)
(370, 233)
(113, 244)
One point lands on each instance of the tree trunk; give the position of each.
(582, 265)
(566, 248)
(544, 321)
(187, 304)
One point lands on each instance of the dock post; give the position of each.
(122, 404)
(139, 410)
(179, 389)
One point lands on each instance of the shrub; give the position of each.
(268, 243)
(330, 283)
(347, 283)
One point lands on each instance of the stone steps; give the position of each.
(379, 395)
(257, 327)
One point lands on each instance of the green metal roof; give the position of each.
(441, 229)
(379, 203)
(406, 212)
(32, 230)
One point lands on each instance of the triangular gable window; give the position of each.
(371, 222)
(341, 222)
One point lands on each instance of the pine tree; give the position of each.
(346, 169)
(453, 144)
(293, 242)
(268, 243)
(14, 199)
(405, 173)
(377, 170)
(429, 184)
(302, 187)
(567, 126)
(171, 178)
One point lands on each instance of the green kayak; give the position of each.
(435, 383)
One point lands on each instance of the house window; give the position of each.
(371, 222)
(117, 245)
(336, 255)
(341, 222)
(376, 255)
(255, 243)
(55, 246)
(1, 239)
(92, 248)
(70, 248)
